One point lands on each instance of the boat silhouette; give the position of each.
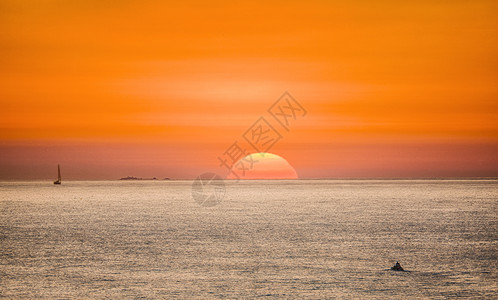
(58, 181)
(397, 267)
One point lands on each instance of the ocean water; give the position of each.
(266, 239)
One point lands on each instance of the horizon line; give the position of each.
(274, 179)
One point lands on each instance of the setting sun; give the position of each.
(262, 166)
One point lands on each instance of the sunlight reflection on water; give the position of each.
(304, 238)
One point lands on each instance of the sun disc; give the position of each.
(262, 166)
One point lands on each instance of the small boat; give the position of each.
(58, 181)
(397, 267)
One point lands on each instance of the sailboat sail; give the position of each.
(58, 181)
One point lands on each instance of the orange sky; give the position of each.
(149, 88)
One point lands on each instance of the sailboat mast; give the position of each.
(58, 181)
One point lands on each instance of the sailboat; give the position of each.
(58, 181)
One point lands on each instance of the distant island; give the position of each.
(137, 178)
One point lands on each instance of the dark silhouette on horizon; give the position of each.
(58, 181)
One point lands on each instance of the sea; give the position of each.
(296, 239)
